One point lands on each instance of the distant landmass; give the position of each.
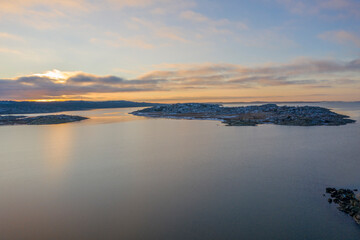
(27, 107)
(286, 102)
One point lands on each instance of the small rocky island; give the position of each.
(249, 115)
(347, 201)
(39, 120)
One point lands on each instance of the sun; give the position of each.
(54, 74)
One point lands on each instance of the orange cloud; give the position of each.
(32, 6)
(41, 14)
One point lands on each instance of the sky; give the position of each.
(180, 50)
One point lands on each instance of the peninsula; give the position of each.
(39, 120)
(249, 115)
(26, 107)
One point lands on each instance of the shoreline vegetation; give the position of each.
(249, 115)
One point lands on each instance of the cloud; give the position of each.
(211, 98)
(62, 8)
(156, 7)
(19, 7)
(9, 36)
(200, 18)
(327, 8)
(299, 66)
(203, 29)
(341, 37)
(304, 72)
(134, 3)
(49, 86)
(87, 78)
(10, 51)
(116, 40)
(160, 30)
(41, 14)
(141, 24)
(204, 26)
(137, 3)
(147, 35)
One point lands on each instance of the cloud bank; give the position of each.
(303, 73)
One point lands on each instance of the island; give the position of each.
(39, 120)
(249, 115)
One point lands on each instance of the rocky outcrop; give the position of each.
(249, 115)
(346, 200)
(39, 120)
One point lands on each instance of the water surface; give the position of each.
(117, 176)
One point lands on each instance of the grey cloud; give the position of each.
(35, 87)
(308, 66)
(93, 79)
(308, 70)
(83, 78)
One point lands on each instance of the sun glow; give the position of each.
(47, 100)
(56, 75)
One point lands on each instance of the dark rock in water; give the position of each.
(346, 201)
(355, 190)
(249, 115)
(330, 190)
(357, 218)
(238, 122)
(39, 120)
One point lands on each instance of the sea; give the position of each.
(119, 176)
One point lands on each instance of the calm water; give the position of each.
(123, 177)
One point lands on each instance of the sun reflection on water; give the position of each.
(59, 141)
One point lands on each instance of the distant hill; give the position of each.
(25, 107)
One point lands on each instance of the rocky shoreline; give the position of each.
(347, 201)
(39, 120)
(249, 115)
